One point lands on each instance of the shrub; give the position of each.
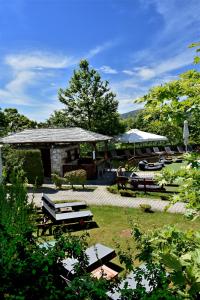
(145, 207)
(113, 189)
(32, 166)
(76, 177)
(57, 180)
(125, 193)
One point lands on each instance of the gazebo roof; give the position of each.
(57, 135)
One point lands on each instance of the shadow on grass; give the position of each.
(52, 229)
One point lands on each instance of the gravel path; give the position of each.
(100, 196)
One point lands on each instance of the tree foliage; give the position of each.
(89, 102)
(168, 105)
(12, 121)
(177, 253)
(188, 179)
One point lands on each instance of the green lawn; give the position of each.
(114, 224)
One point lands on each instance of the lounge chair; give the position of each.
(151, 153)
(157, 151)
(114, 155)
(139, 153)
(128, 153)
(180, 149)
(169, 151)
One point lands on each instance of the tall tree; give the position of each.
(174, 102)
(89, 102)
(14, 121)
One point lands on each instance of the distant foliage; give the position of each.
(78, 177)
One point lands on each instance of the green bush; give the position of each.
(57, 180)
(145, 207)
(76, 177)
(113, 189)
(127, 193)
(32, 166)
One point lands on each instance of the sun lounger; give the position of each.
(140, 154)
(148, 151)
(114, 155)
(169, 151)
(180, 149)
(157, 151)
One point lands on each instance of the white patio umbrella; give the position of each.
(185, 134)
(138, 136)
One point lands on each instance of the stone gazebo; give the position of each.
(60, 148)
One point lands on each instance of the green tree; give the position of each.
(168, 105)
(14, 121)
(89, 102)
(2, 122)
(58, 119)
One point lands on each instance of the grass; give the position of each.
(114, 225)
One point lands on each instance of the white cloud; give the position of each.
(14, 91)
(146, 73)
(38, 61)
(128, 72)
(108, 70)
(101, 48)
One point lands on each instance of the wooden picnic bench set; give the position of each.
(99, 257)
(58, 214)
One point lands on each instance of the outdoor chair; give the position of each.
(128, 153)
(139, 153)
(114, 155)
(157, 151)
(150, 153)
(180, 149)
(169, 151)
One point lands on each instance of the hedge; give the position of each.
(32, 166)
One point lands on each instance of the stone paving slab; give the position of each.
(100, 196)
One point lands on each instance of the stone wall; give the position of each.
(58, 156)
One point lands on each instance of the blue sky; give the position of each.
(135, 44)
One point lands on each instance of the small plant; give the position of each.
(145, 208)
(57, 180)
(127, 193)
(113, 189)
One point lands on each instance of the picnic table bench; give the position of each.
(71, 216)
(98, 255)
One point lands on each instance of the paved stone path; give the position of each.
(100, 196)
